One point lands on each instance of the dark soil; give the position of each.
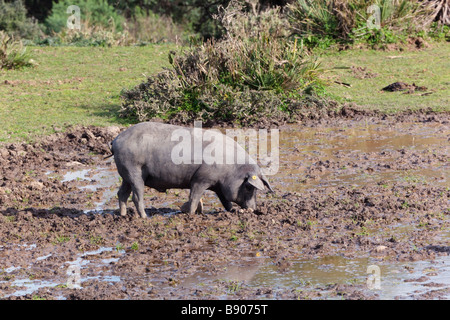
(44, 226)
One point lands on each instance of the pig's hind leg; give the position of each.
(195, 196)
(123, 194)
(186, 206)
(133, 180)
(138, 198)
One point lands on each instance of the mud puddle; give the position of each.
(348, 196)
(381, 280)
(71, 279)
(360, 154)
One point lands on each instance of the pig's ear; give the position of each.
(266, 183)
(255, 181)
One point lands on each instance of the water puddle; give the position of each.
(29, 286)
(83, 260)
(76, 175)
(393, 280)
(103, 179)
(73, 278)
(360, 155)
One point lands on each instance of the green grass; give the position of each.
(72, 85)
(81, 85)
(428, 67)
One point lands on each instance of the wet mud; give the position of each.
(361, 211)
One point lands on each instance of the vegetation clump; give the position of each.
(13, 54)
(15, 22)
(255, 71)
(375, 23)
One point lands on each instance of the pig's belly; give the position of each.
(162, 184)
(169, 176)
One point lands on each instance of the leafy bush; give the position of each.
(254, 71)
(93, 13)
(14, 20)
(101, 26)
(95, 36)
(195, 16)
(346, 21)
(314, 18)
(162, 96)
(398, 20)
(144, 27)
(439, 32)
(13, 55)
(256, 52)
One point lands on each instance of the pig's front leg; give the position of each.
(227, 204)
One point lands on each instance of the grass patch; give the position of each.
(72, 85)
(82, 85)
(428, 67)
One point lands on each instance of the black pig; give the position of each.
(151, 154)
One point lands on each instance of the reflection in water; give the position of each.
(397, 280)
(362, 152)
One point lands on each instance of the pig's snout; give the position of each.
(249, 205)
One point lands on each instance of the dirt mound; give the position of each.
(402, 86)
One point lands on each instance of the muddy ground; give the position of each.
(342, 196)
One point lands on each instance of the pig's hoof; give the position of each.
(186, 206)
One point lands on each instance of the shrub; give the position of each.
(346, 21)
(254, 71)
(194, 15)
(314, 17)
(93, 13)
(398, 20)
(13, 55)
(96, 36)
(439, 32)
(162, 96)
(140, 28)
(154, 98)
(14, 20)
(256, 52)
(150, 27)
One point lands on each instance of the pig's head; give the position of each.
(241, 189)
